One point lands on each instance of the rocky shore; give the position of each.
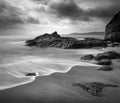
(81, 84)
(56, 41)
(111, 38)
(104, 59)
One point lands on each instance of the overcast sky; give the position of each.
(65, 16)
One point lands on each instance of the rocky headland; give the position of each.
(111, 38)
(56, 41)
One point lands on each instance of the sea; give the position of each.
(17, 60)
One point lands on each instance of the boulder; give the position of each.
(105, 68)
(87, 57)
(112, 32)
(107, 55)
(104, 62)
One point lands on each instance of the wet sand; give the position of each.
(57, 88)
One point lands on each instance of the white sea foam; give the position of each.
(17, 84)
(42, 66)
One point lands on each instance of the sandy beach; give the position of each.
(59, 51)
(57, 87)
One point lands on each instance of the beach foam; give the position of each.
(43, 66)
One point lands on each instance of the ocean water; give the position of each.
(16, 60)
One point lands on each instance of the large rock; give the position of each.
(88, 57)
(112, 32)
(107, 55)
(55, 40)
(104, 62)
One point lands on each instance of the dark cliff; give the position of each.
(112, 32)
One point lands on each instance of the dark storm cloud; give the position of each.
(10, 14)
(104, 14)
(71, 10)
(68, 9)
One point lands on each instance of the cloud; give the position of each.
(104, 14)
(68, 9)
(37, 11)
(11, 14)
(74, 14)
(73, 10)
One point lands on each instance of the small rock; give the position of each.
(105, 68)
(31, 74)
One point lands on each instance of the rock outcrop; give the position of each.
(112, 32)
(94, 88)
(55, 40)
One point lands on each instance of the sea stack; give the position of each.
(112, 32)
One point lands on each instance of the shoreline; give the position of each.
(57, 87)
(33, 78)
(60, 85)
(69, 64)
(89, 63)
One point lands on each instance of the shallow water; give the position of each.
(16, 60)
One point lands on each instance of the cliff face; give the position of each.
(112, 32)
(55, 40)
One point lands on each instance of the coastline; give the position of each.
(57, 87)
(77, 63)
(19, 77)
(17, 68)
